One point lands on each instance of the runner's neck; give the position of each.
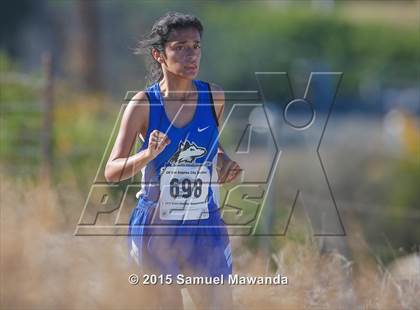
(177, 89)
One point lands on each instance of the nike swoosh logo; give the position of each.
(202, 129)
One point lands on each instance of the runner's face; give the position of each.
(183, 53)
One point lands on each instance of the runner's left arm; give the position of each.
(227, 168)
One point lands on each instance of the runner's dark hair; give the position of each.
(159, 35)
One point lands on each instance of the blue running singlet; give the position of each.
(176, 226)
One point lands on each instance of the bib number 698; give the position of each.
(185, 188)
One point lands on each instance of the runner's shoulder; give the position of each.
(218, 97)
(138, 107)
(140, 101)
(215, 88)
(217, 92)
(139, 98)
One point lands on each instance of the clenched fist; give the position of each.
(157, 143)
(228, 170)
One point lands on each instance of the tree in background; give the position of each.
(13, 16)
(89, 45)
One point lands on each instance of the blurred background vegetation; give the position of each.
(371, 146)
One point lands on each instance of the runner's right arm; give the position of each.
(121, 165)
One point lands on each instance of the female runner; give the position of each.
(176, 230)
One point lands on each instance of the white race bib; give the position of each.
(184, 192)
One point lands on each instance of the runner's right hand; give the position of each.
(157, 143)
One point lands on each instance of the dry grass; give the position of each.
(396, 13)
(43, 266)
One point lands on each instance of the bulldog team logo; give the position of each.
(187, 152)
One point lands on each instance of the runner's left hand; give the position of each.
(227, 169)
